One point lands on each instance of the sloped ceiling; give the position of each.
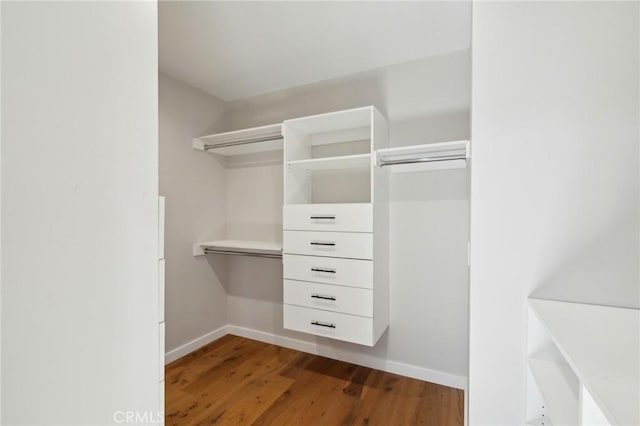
(234, 50)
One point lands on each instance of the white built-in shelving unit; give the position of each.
(583, 364)
(335, 242)
(335, 234)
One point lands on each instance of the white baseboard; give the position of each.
(191, 346)
(402, 369)
(416, 372)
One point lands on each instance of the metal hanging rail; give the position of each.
(431, 156)
(240, 253)
(383, 163)
(208, 147)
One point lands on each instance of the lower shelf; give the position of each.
(559, 387)
(239, 247)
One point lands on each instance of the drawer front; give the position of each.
(328, 217)
(161, 289)
(329, 270)
(348, 300)
(330, 324)
(161, 351)
(332, 244)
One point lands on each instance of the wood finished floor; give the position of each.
(238, 381)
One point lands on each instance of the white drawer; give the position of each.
(333, 244)
(161, 289)
(330, 324)
(161, 350)
(328, 217)
(348, 300)
(329, 270)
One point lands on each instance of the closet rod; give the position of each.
(383, 163)
(207, 147)
(240, 253)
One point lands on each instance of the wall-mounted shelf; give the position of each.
(245, 141)
(432, 156)
(359, 161)
(599, 347)
(239, 247)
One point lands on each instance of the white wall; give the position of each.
(79, 212)
(194, 185)
(554, 208)
(426, 100)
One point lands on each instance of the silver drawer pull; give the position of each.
(322, 243)
(320, 296)
(323, 216)
(327, 270)
(323, 324)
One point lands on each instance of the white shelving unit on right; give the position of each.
(583, 364)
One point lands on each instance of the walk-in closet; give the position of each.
(320, 205)
(320, 213)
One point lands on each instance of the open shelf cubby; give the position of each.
(329, 157)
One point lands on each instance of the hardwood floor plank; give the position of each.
(245, 405)
(218, 386)
(320, 400)
(238, 381)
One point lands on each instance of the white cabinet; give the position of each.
(161, 291)
(583, 364)
(335, 220)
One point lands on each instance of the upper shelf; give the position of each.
(431, 156)
(602, 346)
(358, 161)
(245, 141)
(350, 119)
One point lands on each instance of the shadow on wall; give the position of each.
(252, 277)
(303, 101)
(441, 127)
(604, 272)
(411, 91)
(218, 266)
(430, 186)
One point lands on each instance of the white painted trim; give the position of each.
(191, 346)
(416, 372)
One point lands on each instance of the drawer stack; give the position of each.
(329, 271)
(336, 225)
